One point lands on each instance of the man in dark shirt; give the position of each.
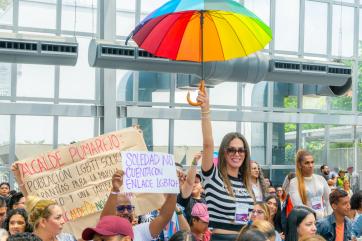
(330, 178)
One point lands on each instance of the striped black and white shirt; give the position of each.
(220, 204)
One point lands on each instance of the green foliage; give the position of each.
(312, 126)
(341, 145)
(290, 127)
(4, 4)
(291, 102)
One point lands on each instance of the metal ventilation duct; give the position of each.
(329, 78)
(36, 49)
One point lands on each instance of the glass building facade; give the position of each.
(44, 106)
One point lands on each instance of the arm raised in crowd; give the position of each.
(184, 225)
(166, 212)
(19, 178)
(186, 188)
(112, 201)
(208, 141)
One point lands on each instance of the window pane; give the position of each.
(4, 139)
(341, 151)
(287, 21)
(155, 133)
(84, 13)
(124, 85)
(313, 137)
(359, 90)
(342, 31)
(154, 87)
(34, 140)
(160, 130)
(190, 142)
(284, 143)
(285, 95)
(224, 94)
(315, 36)
(129, 5)
(125, 22)
(33, 14)
(35, 80)
(256, 95)
(314, 102)
(255, 132)
(75, 129)
(260, 7)
(6, 12)
(343, 103)
(148, 6)
(278, 176)
(78, 82)
(5, 79)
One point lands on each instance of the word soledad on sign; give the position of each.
(78, 177)
(149, 172)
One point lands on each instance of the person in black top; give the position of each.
(191, 189)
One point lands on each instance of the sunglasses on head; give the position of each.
(233, 150)
(122, 208)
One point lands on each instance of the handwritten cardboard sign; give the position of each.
(78, 177)
(149, 172)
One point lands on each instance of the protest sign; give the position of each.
(78, 177)
(149, 172)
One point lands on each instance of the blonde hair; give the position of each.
(261, 225)
(300, 156)
(265, 208)
(38, 208)
(314, 237)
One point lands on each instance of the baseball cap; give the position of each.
(200, 210)
(342, 170)
(109, 226)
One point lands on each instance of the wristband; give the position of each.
(179, 213)
(116, 193)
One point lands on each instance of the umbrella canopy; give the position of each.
(202, 30)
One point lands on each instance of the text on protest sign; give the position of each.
(78, 177)
(149, 172)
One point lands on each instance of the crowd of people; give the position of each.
(226, 200)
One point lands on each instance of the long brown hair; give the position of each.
(300, 156)
(261, 181)
(244, 170)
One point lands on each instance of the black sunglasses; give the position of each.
(122, 208)
(233, 150)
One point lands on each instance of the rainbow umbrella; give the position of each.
(201, 30)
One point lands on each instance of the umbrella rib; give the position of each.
(160, 44)
(241, 44)
(218, 36)
(252, 32)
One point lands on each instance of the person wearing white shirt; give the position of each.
(257, 182)
(309, 189)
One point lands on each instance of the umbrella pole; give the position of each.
(202, 45)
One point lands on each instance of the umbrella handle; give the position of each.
(202, 89)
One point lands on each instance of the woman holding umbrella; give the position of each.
(227, 184)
